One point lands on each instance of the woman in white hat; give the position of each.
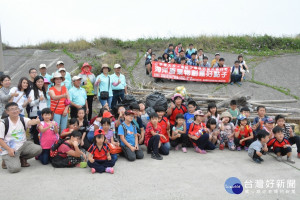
(103, 86)
(60, 101)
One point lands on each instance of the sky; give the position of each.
(35, 21)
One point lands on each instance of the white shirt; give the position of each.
(21, 96)
(36, 104)
(16, 135)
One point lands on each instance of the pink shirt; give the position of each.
(48, 138)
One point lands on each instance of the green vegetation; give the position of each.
(248, 45)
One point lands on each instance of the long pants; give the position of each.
(237, 142)
(153, 146)
(204, 143)
(27, 150)
(282, 151)
(118, 96)
(182, 139)
(34, 132)
(90, 100)
(132, 156)
(44, 157)
(101, 165)
(74, 111)
(108, 101)
(295, 140)
(255, 156)
(236, 78)
(61, 121)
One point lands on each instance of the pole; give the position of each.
(1, 55)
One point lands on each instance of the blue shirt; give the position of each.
(189, 119)
(115, 79)
(48, 77)
(192, 62)
(67, 84)
(78, 95)
(189, 52)
(207, 65)
(130, 136)
(103, 86)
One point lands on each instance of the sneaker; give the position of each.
(93, 170)
(221, 147)
(257, 160)
(289, 159)
(147, 73)
(279, 158)
(202, 151)
(197, 150)
(110, 170)
(156, 156)
(262, 160)
(248, 70)
(77, 165)
(246, 148)
(177, 148)
(231, 83)
(184, 150)
(238, 148)
(239, 83)
(298, 155)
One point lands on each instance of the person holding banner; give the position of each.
(193, 61)
(205, 62)
(220, 63)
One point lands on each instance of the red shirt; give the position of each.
(275, 143)
(194, 128)
(65, 130)
(164, 122)
(63, 149)
(245, 133)
(148, 133)
(177, 111)
(98, 154)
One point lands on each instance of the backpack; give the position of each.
(54, 149)
(125, 131)
(5, 121)
(233, 70)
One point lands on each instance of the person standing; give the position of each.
(87, 82)
(5, 97)
(119, 87)
(78, 97)
(103, 86)
(60, 101)
(60, 64)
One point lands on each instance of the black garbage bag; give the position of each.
(128, 100)
(150, 110)
(156, 99)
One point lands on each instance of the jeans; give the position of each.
(182, 139)
(34, 133)
(108, 101)
(118, 96)
(90, 99)
(153, 146)
(44, 157)
(101, 165)
(203, 143)
(236, 78)
(61, 120)
(246, 143)
(114, 157)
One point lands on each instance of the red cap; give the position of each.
(129, 112)
(107, 115)
(98, 132)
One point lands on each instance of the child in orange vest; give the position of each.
(243, 134)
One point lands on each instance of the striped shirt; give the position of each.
(59, 103)
(286, 130)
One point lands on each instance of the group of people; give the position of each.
(119, 128)
(191, 56)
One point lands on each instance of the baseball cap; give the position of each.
(269, 120)
(117, 66)
(59, 62)
(75, 78)
(129, 112)
(98, 132)
(107, 115)
(62, 69)
(43, 66)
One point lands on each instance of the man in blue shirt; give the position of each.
(129, 139)
(43, 72)
(78, 97)
(60, 64)
(190, 51)
(119, 87)
(193, 61)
